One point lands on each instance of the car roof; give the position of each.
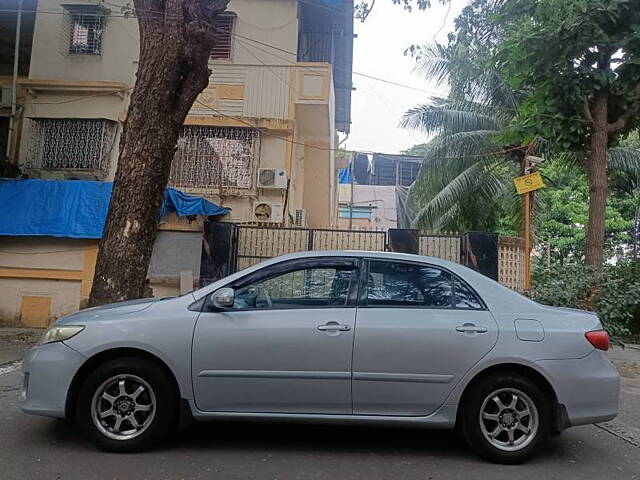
(361, 253)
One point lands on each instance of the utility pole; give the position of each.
(14, 86)
(527, 241)
(526, 185)
(527, 198)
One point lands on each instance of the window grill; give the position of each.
(70, 144)
(224, 35)
(83, 29)
(215, 158)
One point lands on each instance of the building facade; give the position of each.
(259, 141)
(376, 198)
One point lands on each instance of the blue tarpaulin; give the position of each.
(344, 174)
(75, 208)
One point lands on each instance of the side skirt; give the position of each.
(443, 418)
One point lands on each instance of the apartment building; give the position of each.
(259, 141)
(374, 199)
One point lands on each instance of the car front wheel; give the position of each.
(127, 404)
(506, 418)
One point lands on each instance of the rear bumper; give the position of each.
(588, 388)
(48, 371)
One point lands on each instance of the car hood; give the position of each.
(110, 310)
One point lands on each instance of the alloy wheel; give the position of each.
(509, 419)
(123, 407)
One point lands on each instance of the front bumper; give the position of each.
(589, 387)
(48, 371)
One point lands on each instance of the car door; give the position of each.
(419, 330)
(286, 344)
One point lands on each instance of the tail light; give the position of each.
(599, 339)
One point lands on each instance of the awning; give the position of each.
(75, 208)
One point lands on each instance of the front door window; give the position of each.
(304, 288)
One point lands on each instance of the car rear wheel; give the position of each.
(127, 405)
(506, 418)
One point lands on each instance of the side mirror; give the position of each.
(222, 298)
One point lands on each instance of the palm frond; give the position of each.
(625, 159)
(435, 63)
(462, 146)
(442, 116)
(481, 178)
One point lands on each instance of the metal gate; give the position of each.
(236, 247)
(256, 244)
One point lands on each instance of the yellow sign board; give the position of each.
(528, 183)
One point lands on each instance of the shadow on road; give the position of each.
(293, 438)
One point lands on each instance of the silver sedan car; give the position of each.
(333, 336)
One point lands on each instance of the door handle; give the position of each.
(334, 326)
(471, 328)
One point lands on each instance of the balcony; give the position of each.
(269, 96)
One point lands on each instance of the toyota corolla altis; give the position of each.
(330, 337)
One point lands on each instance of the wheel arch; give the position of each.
(559, 420)
(104, 356)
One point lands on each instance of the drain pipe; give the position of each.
(14, 87)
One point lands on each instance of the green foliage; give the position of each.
(465, 180)
(618, 297)
(522, 72)
(561, 222)
(362, 8)
(565, 53)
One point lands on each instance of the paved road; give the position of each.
(41, 448)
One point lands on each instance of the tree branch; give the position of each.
(633, 110)
(587, 111)
(199, 35)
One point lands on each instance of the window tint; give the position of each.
(308, 288)
(403, 284)
(464, 297)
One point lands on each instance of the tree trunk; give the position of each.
(597, 177)
(176, 39)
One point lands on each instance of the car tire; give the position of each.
(127, 405)
(506, 418)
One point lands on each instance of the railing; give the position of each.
(257, 243)
(263, 91)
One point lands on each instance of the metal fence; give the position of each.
(258, 243)
(441, 245)
(511, 262)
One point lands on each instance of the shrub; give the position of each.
(616, 298)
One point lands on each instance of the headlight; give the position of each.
(58, 334)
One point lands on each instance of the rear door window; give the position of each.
(408, 285)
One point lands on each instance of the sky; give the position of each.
(377, 107)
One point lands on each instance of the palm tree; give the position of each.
(465, 182)
(466, 179)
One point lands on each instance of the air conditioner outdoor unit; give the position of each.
(300, 219)
(268, 212)
(272, 178)
(6, 96)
